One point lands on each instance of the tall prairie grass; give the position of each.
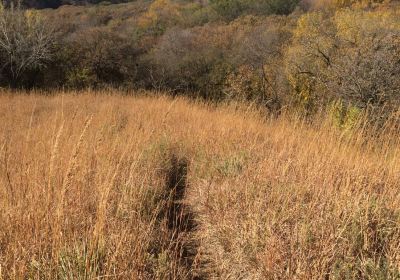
(85, 192)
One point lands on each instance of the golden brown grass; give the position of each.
(84, 195)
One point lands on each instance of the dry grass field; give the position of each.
(102, 186)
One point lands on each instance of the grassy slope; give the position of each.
(84, 192)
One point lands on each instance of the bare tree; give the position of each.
(368, 74)
(25, 43)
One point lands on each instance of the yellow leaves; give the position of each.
(314, 37)
(32, 17)
(341, 3)
(318, 32)
(309, 24)
(357, 25)
(315, 31)
(160, 11)
(166, 13)
(303, 92)
(244, 84)
(345, 24)
(344, 116)
(348, 3)
(324, 43)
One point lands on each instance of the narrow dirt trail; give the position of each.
(181, 219)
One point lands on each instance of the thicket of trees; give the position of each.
(278, 53)
(53, 4)
(25, 46)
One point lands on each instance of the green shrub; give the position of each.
(344, 117)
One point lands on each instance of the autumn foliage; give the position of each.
(220, 139)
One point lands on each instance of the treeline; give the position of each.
(229, 8)
(53, 4)
(279, 53)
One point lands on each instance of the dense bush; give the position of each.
(217, 50)
(191, 60)
(53, 4)
(231, 9)
(349, 55)
(26, 46)
(99, 57)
